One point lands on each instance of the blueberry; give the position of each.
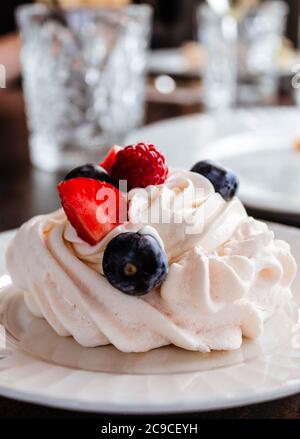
(90, 170)
(224, 181)
(135, 263)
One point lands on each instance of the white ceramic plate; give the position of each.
(171, 62)
(174, 62)
(259, 144)
(268, 165)
(41, 367)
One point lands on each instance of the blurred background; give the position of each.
(90, 72)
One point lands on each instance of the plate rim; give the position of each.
(212, 114)
(140, 409)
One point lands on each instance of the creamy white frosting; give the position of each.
(227, 273)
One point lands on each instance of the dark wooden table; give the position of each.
(25, 192)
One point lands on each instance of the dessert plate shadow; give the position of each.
(37, 365)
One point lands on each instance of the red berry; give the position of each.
(140, 165)
(110, 158)
(93, 207)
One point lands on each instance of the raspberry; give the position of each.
(140, 165)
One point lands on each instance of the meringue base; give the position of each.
(209, 301)
(36, 337)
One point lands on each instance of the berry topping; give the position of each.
(93, 207)
(90, 170)
(224, 181)
(135, 263)
(140, 165)
(110, 158)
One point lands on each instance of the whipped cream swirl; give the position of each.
(227, 273)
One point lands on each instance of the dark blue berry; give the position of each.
(90, 170)
(135, 263)
(224, 181)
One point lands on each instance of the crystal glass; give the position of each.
(260, 38)
(84, 74)
(218, 36)
(241, 48)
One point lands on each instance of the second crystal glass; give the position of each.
(218, 36)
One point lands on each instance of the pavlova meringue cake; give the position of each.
(184, 264)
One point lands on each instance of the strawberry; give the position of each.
(93, 207)
(110, 158)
